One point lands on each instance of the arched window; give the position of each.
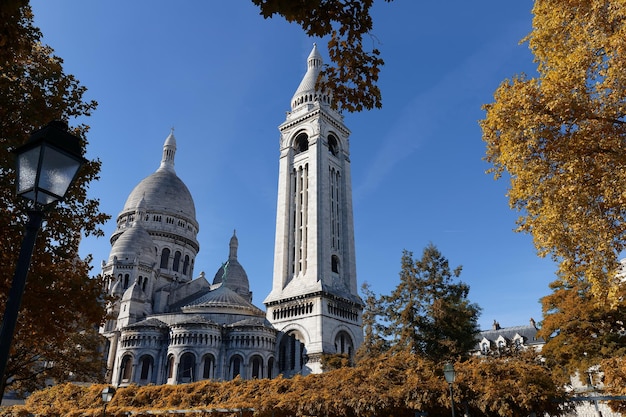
(291, 353)
(343, 344)
(208, 367)
(301, 143)
(170, 366)
(186, 265)
(333, 145)
(257, 367)
(176, 265)
(126, 279)
(146, 367)
(165, 258)
(235, 366)
(270, 368)
(186, 368)
(126, 368)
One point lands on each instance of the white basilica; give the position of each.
(165, 326)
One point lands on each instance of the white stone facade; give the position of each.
(314, 300)
(165, 327)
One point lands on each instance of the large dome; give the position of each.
(164, 191)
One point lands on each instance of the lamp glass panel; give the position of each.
(449, 373)
(57, 172)
(107, 394)
(27, 171)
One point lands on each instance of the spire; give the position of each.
(234, 244)
(306, 92)
(169, 151)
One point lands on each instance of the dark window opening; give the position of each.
(165, 257)
(301, 143)
(334, 261)
(333, 145)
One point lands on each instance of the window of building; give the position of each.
(270, 368)
(235, 366)
(301, 143)
(165, 258)
(334, 263)
(146, 367)
(333, 145)
(176, 265)
(186, 265)
(257, 367)
(126, 369)
(291, 353)
(208, 367)
(344, 344)
(186, 368)
(170, 366)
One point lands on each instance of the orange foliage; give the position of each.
(395, 384)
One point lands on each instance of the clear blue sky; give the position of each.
(223, 77)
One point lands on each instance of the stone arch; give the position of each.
(208, 366)
(235, 366)
(187, 368)
(126, 368)
(256, 367)
(146, 368)
(301, 142)
(291, 352)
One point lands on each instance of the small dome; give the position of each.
(134, 244)
(134, 293)
(232, 274)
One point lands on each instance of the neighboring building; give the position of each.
(588, 400)
(165, 327)
(499, 340)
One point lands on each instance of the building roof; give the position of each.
(221, 298)
(232, 274)
(163, 190)
(308, 84)
(151, 322)
(527, 332)
(134, 244)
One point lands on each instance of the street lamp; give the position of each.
(107, 396)
(47, 164)
(450, 375)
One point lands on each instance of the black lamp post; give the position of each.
(450, 375)
(107, 396)
(47, 164)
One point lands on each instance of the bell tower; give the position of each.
(314, 300)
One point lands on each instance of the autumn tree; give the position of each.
(352, 77)
(560, 137)
(429, 313)
(374, 341)
(61, 307)
(581, 332)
